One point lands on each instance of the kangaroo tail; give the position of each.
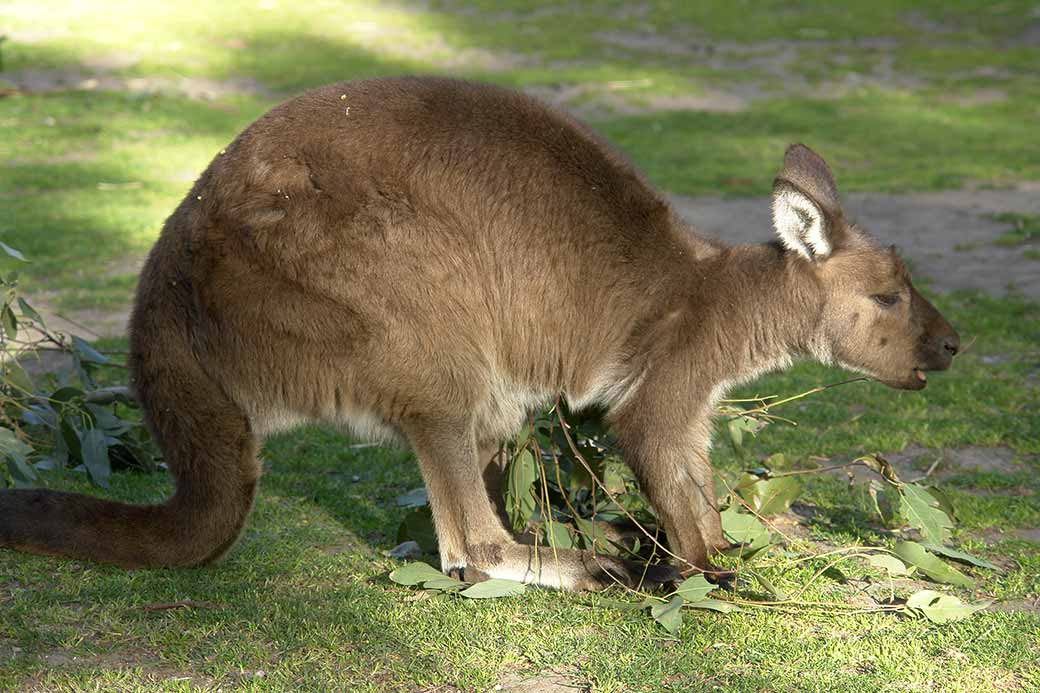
(204, 435)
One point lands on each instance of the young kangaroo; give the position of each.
(426, 260)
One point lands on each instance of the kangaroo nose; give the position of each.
(952, 344)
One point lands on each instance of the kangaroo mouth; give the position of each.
(914, 380)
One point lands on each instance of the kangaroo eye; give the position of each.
(886, 300)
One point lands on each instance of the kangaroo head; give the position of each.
(871, 319)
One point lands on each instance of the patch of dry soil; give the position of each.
(947, 236)
(914, 461)
(543, 682)
(98, 79)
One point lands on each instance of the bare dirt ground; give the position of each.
(946, 236)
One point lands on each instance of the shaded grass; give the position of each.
(88, 177)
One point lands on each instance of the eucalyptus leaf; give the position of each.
(415, 573)
(66, 394)
(945, 504)
(22, 473)
(714, 605)
(559, 535)
(493, 588)
(770, 496)
(669, 614)
(17, 377)
(520, 502)
(87, 352)
(694, 589)
(11, 445)
(29, 312)
(593, 537)
(889, 563)
(960, 556)
(95, 456)
(923, 513)
(736, 432)
(17, 255)
(916, 555)
(744, 529)
(767, 584)
(883, 467)
(10, 322)
(413, 499)
(943, 608)
(444, 584)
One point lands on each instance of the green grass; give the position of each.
(88, 177)
(1025, 229)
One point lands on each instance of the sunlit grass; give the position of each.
(88, 177)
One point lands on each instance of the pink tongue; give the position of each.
(920, 375)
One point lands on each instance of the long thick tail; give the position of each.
(203, 434)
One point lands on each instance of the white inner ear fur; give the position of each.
(800, 225)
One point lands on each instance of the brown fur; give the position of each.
(429, 265)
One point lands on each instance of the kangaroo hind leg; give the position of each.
(473, 541)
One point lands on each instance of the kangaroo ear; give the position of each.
(807, 212)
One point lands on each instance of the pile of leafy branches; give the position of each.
(60, 419)
(567, 488)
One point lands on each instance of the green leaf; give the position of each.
(594, 537)
(668, 614)
(742, 528)
(444, 584)
(10, 322)
(960, 556)
(558, 535)
(767, 584)
(714, 605)
(17, 377)
(916, 555)
(888, 563)
(942, 608)
(493, 588)
(94, 446)
(694, 589)
(923, 513)
(87, 352)
(770, 496)
(736, 432)
(883, 467)
(11, 445)
(29, 312)
(415, 498)
(520, 502)
(945, 504)
(415, 573)
(22, 473)
(12, 252)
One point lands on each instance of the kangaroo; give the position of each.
(425, 260)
